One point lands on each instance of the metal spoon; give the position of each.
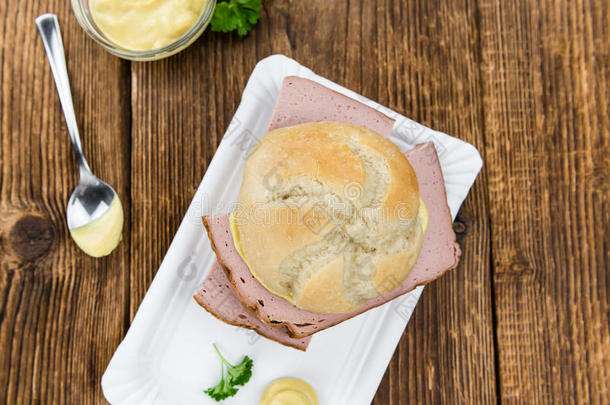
(92, 197)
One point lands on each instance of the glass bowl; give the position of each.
(83, 15)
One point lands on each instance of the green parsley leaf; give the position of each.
(241, 373)
(235, 375)
(222, 390)
(240, 15)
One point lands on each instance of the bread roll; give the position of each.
(329, 215)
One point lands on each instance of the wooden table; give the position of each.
(525, 317)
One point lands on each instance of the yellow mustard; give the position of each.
(101, 236)
(143, 25)
(289, 391)
(423, 215)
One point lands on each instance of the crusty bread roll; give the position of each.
(329, 215)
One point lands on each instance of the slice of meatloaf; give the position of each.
(217, 296)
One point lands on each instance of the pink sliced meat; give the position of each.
(217, 296)
(439, 253)
(302, 100)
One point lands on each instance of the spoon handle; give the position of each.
(51, 37)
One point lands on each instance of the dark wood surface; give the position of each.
(525, 317)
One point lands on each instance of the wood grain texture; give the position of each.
(62, 314)
(524, 318)
(545, 77)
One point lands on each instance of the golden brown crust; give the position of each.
(317, 181)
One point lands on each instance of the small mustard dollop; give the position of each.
(143, 25)
(99, 237)
(424, 218)
(289, 391)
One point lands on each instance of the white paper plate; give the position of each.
(167, 355)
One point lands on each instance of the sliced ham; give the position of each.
(302, 100)
(217, 296)
(439, 253)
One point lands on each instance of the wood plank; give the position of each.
(545, 91)
(183, 105)
(61, 312)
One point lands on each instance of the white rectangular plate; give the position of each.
(167, 355)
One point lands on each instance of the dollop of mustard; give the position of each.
(424, 219)
(99, 237)
(289, 391)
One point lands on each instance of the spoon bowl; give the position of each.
(90, 200)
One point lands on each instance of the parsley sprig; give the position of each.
(240, 15)
(231, 376)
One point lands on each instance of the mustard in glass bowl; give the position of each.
(144, 29)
